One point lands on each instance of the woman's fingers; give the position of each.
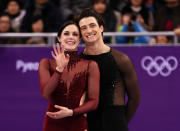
(67, 56)
(55, 50)
(62, 48)
(58, 48)
(53, 55)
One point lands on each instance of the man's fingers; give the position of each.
(60, 107)
(53, 115)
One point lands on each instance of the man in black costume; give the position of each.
(117, 78)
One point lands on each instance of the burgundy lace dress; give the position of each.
(67, 88)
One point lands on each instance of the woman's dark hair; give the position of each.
(66, 24)
(88, 12)
(63, 26)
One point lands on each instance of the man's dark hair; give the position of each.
(88, 12)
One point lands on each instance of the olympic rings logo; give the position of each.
(159, 65)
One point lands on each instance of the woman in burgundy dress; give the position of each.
(64, 80)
